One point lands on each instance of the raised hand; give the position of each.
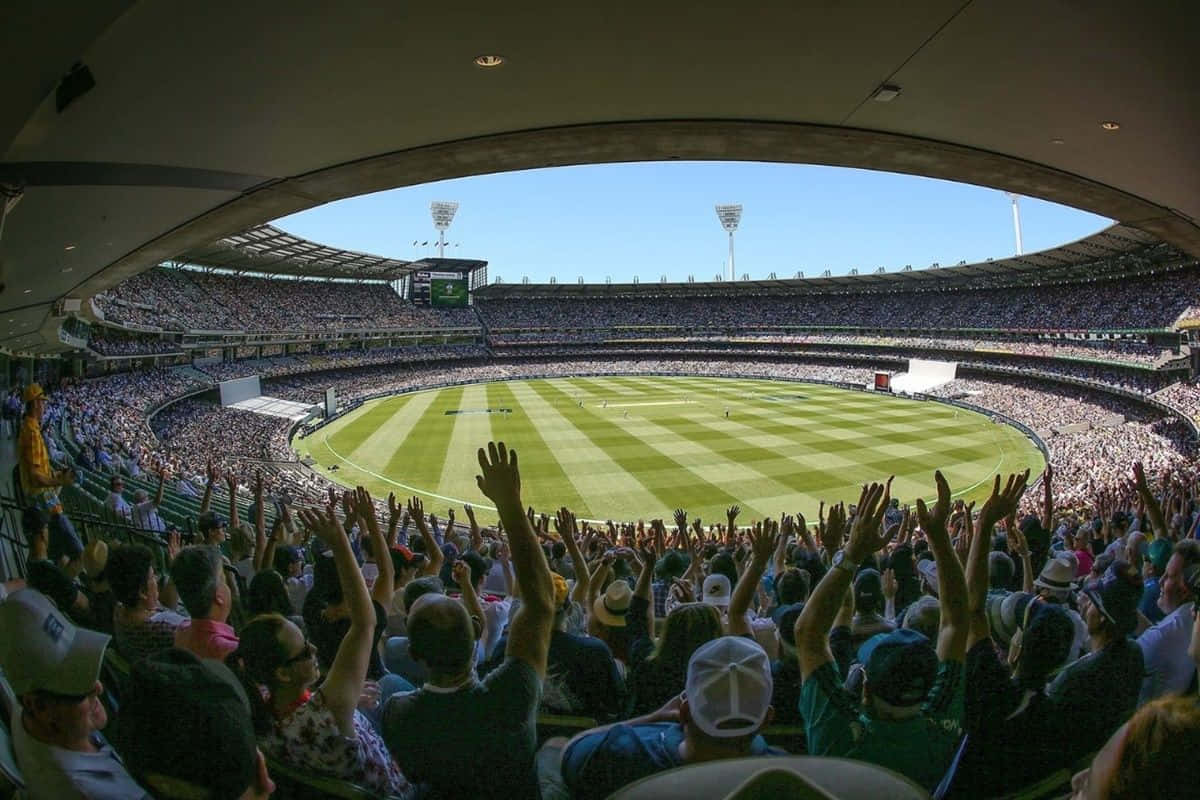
(1002, 503)
(890, 586)
(393, 508)
(764, 538)
(834, 528)
(461, 573)
(933, 521)
(731, 515)
(564, 523)
(681, 519)
(500, 477)
(213, 474)
(416, 510)
(364, 507)
(325, 525)
(865, 535)
(173, 546)
(470, 512)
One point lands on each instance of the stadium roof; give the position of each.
(1116, 251)
(270, 250)
(180, 140)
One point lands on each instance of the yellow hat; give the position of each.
(560, 589)
(33, 391)
(95, 557)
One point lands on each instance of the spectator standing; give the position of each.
(40, 483)
(1164, 645)
(493, 720)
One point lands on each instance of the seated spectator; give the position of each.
(145, 509)
(493, 721)
(785, 671)
(1169, 670)
(661, 676)
(268, 595)
(212, 528)
(53, 668)
(726, 702)
(868, 618)
(581, 676)
(210, 715)
(608, 618)
(94, 583)
(321, 729)
(141, 625)
(1152, 755)
(199, 576)
(289, 562)
(1158, 554)
(911, 713)
(45, 575)
(116, 502)
(1099, 692)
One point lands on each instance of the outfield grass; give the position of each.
(663, 443)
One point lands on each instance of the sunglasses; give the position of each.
(307, 652)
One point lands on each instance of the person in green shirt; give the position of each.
(910, 716)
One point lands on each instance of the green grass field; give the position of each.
(663, 443)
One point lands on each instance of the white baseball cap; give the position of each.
(40, 649)
(729, 686)
(716, 590)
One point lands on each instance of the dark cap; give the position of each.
(868, 590)
(1116, 595)
(672, 565)
(207, 711)
(210, 520)
(478, 564)
(785, 618)
(900, 666)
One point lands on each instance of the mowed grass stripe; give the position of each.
(605, 483)
(422, 465)
(538, 461)
(468, 432)
(359, 430)
(673, 483)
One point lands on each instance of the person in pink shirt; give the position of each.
(200, 580)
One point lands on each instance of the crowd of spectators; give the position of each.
(1184, 395)
(180, 299)
(1135, 303)
(340, 359)
(185, 432)
(365, 643)
(113, 342)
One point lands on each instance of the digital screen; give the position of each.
(448, 293)
(883, 382)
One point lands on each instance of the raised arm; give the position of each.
(952, 584)
(1048, 498)
(260, 525)
(476, 534)
(998, 506)
(162, 484)
(1153, 509)
(644, 589)
(763, 538)
(564, 523)
(433, 551)
(815, 621)
(213, 477)
(461, 573)
(232, 484)
(529, 630)
(385, 582)
(343, 685)
(393, 520)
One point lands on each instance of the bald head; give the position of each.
(440, 634)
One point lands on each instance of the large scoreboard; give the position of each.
(445, 283)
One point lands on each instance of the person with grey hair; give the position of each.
(199, 577)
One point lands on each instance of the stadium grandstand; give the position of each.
(198, 602)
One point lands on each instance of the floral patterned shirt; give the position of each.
(308, 738)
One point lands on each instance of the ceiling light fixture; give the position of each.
(67, 269)
(886, 93)
(1057, 141)
(27, 291)
(69, 247)
(1110, 125)
(490, 61)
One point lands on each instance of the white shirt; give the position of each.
(1169, 668)
(145, 515)
(118, 505)
(52, 773)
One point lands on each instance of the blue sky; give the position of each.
(654, 219)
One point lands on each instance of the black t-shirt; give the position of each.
(476, 741)
(785, 694)
(581, 677)
(1099, 692)
(1016, 736)
(49, 579)
(327, 635)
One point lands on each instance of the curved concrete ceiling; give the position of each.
(211, 118)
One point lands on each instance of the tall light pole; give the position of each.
(730, 216)
(443, 214)
(1016, 220)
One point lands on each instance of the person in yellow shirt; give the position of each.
(40, 482)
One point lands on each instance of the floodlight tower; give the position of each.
(1016, 220)
(730, 216)
(443, 214)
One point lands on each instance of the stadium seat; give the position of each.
(550, 725)
(297, 784)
